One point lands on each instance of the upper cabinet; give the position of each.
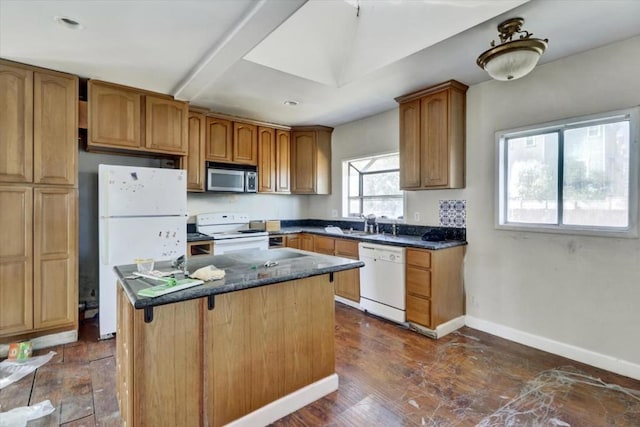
(219, 142)
(166, 125)
(193, 162)
(117, 114)
(311, 160)
(231, 142)
(432, 137)
(245, 143)
(38, 125)
(273, 160)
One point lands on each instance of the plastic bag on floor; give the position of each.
(19, 417)
(11, 370)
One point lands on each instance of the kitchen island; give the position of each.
(244, 350)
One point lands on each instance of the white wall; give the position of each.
(257, 206)
(581, 291)
(578, 296)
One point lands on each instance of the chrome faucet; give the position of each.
(394, 229)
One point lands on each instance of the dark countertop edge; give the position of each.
(196, 292)
(406, 241)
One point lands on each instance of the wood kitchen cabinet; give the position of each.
(194, 161)
(166, 125)
(432, 137)
(219, 145)
(311, 160)
(231, 142)
(347, 285)
(125, 118)
(306, 242)
(266, 160)
(16, 259)
(38, 195)
(273, 160)
(38, 125)
(245, 143)
(434, 292)
(55, 257)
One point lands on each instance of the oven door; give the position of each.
(226, 180)
(240, 244)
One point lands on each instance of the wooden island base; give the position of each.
(190, 366)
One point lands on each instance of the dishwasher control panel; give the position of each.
(382, 252)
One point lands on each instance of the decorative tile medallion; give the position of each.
(453, 213)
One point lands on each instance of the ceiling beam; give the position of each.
(264, 17)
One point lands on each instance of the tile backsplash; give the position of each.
(453, 213)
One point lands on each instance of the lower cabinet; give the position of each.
(38, 259)
(347, 284)
(435, 292)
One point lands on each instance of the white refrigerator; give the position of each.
(143, 214)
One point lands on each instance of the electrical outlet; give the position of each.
(416, 216)
(334, 213)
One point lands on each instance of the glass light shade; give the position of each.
(512, 64)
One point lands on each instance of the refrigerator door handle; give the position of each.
(104, 241)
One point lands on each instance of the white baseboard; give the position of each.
(450, 326)
(569, 351)
(347, 302)
(288, 404)
(45, 341)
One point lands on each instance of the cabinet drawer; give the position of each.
(324, 245)
(419, 258)
(419, 310)
(419, 282)
(346, 248)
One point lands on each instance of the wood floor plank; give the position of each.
(389, 376)
(103, 380)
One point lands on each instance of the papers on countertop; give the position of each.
(168, 287)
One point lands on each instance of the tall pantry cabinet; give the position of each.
(39, 197)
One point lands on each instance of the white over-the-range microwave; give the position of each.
(230, 178)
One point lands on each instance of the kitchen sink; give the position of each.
(354, 233)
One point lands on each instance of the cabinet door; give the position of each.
(283, 161)
(303, 162)
(114, 116)
(55, 253)
(55, 128)
(435, 140)
(16, 124)
(347, 284)
(245, 143)
(410, 145)
(219, 140)
(266, 160)
(293, 241)
(166, 125)
(16, 262)
(194, 161)
(306, 242)
(324, 245)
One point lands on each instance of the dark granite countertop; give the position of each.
(402, 240)
(243, 270)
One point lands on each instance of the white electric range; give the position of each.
(231, 232)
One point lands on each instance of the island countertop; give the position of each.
(243, 270)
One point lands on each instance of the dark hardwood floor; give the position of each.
(389, 376)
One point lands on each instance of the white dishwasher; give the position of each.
(382, 286)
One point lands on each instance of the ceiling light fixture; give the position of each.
(512, 59)
(291, 103)
(69, 23)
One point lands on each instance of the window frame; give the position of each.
(346, 164)
(559, 126)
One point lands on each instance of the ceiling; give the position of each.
(340, 63)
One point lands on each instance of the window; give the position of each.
(372, 186)
(575, 176)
